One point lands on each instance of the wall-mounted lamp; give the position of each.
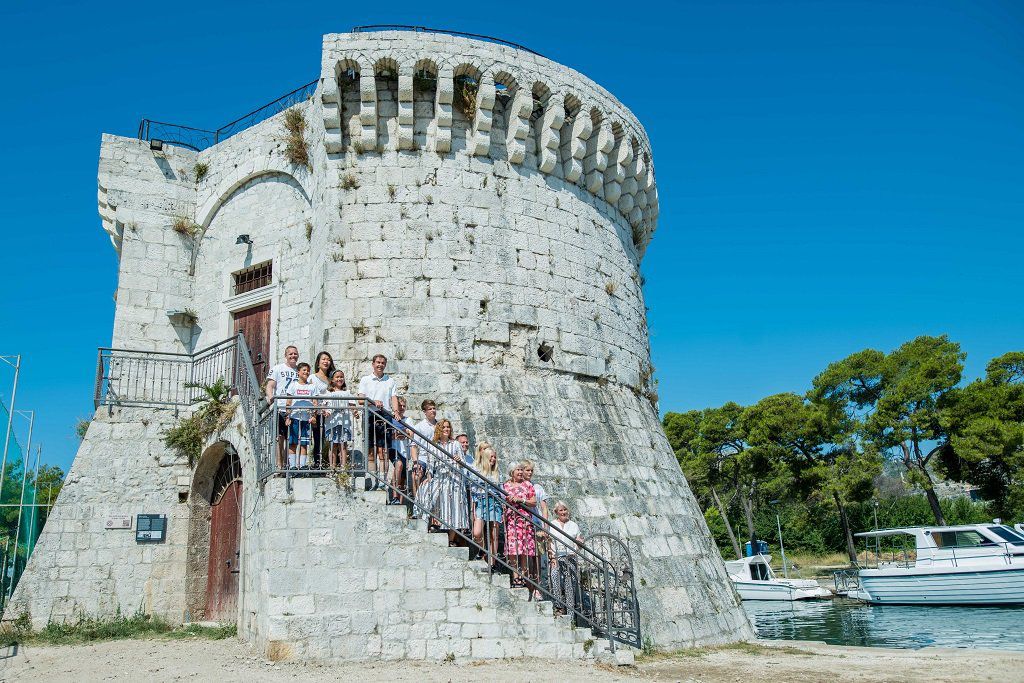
(156, 145)
(243, 239)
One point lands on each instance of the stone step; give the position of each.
(537, 616)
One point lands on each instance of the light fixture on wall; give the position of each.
(243, 239)
(156, 145)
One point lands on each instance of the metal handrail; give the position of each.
(199, 139)
(424, 29)
(628, 634)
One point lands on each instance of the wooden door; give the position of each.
(225, 544)
(254, 323)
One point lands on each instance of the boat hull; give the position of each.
(770, 590)
(943, 586)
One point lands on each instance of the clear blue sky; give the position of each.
(832, 175)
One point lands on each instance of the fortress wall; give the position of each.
(79, 568)
(141, 195)
(458, 247)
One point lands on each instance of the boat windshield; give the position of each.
(967, 538)
(759, 572)
(1007, 535)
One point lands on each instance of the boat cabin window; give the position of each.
(960, 539)
(1007, 535)
(759, 572)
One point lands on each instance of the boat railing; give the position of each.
(969, 554)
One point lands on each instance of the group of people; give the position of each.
(426, 466)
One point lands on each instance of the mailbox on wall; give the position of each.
(150, 528)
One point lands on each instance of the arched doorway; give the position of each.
(222, 576)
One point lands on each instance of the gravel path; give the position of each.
(229, 660)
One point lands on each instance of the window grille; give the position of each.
(253, 277)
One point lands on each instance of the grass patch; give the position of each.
(295, 149)
(201, 170)
(90, 630)
(185, 226)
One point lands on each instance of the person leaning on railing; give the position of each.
(565, 572)
(279, 380)
(380, 389)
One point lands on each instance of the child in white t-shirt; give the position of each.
(338, 427)
(300, 417)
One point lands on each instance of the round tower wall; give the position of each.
(488, 242)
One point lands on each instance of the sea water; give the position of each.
(849, 622)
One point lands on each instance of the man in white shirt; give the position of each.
(420, 451)
(380, 389)
(280, 379)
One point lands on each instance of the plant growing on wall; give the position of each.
(185, 226)
(201, 170)
(295, 138)
(213, 410)
(466, 89)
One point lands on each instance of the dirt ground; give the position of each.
(229, 660)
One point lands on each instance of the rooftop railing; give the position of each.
(199, 138)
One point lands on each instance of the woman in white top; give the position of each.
(565, 573)
(323, 370)
(338, 422)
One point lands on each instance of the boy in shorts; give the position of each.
(300, 417)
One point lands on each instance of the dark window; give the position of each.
(253, 277)
(959, 539)
(1007, 535)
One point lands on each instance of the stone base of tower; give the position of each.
(84, 564)
(338, 575)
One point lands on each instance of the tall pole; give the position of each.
(3, 575)
(876, 535)
(24, 478)
(782, 549)
(10, 412)
(32, 511)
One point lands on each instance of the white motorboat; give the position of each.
(973, 564)
(754, 580)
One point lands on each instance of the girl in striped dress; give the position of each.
(444, 495)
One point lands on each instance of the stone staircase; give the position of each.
(399, 593)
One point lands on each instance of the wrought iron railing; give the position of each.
(199, 138)
(591, 581)
(126, 377)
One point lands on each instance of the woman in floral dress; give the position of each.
(519, 538)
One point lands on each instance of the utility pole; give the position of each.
(31, 415)
(10, 411)
(31, 545)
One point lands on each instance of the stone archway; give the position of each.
(214, 536)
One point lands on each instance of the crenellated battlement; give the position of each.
(398, 90)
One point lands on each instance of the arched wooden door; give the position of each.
(225, 543)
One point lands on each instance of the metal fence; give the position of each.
(199, 138)
(151, 378)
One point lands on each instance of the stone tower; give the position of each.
(475, 212)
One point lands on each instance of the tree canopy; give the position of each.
(827, 449)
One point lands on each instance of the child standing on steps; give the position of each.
(338, 421)
(300, 417)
